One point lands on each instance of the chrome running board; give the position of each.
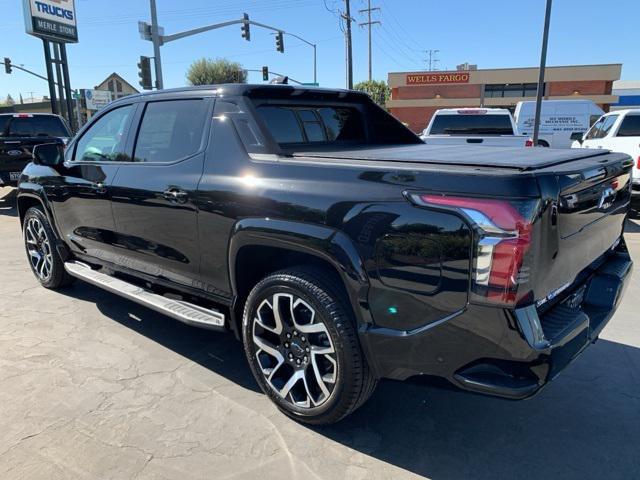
(183, 311)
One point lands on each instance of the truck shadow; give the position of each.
(584, 425)
(8, 202)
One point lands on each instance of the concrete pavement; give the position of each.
(96, 387)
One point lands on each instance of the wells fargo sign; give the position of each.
(439, 77)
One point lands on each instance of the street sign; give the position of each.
(97, 99)
(53, 20)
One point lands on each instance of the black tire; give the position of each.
(56, 276)
(353, 382)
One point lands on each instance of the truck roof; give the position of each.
(235, 89)
(521, 159)
(472, 110)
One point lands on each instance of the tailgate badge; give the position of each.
(606, 199)
(14, 153)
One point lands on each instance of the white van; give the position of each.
(559, 120)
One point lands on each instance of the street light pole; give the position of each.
(315, 76)
(543, 64)
(155, 38)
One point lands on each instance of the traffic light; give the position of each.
(280, 42)
(244, 28)
(265, 73)
(144, 72)
(7, 65)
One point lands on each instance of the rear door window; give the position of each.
(630, 126)
(171, 130)
(37, 126)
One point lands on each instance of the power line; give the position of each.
(405, 50)
(402, 27)
(393, 58)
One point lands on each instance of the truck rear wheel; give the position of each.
(302, 345)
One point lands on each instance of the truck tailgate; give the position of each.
(586, 221)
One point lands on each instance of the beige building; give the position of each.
(416, 95)
(117, 85)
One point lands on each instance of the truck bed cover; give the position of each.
(522, 159)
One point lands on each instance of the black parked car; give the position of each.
(19, 133)
(333, 242)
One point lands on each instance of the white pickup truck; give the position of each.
(492, 127)
(618, 131)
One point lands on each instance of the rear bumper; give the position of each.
(510, 354)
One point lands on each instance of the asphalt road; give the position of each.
(96, 387)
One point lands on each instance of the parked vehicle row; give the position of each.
(618, 131)
(333, 242)
(561, 122)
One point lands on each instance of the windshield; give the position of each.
(35, 126)
(474, 123)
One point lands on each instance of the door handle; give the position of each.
(175, 195)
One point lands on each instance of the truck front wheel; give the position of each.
(302, 345)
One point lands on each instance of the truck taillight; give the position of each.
(503, 237)
(638, 163)
(528, 142)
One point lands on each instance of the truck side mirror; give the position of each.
(50, 154)
(577, 136)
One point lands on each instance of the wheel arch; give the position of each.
(261, 246)
(26, 201)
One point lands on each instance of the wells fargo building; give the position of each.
(416, 95)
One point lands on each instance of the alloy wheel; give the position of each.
(294, 350)
(38, 248)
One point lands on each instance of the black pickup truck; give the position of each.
(19, 133)
(336, 245)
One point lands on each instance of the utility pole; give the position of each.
(433, 58)
(347, 37)
(369, 24)
(155, 38)
(543, 66)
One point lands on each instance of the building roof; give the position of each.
(103, 85)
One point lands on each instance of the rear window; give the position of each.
(37, 126)
(471, 124)
(630, 126)
(313, 124)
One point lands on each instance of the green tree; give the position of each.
(378, 90)
(207, 71)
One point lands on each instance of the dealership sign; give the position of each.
(53, 20)
(437, 78)
(97, 99)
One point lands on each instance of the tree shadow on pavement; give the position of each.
(8, 202)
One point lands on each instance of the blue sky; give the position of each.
(491, 33)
